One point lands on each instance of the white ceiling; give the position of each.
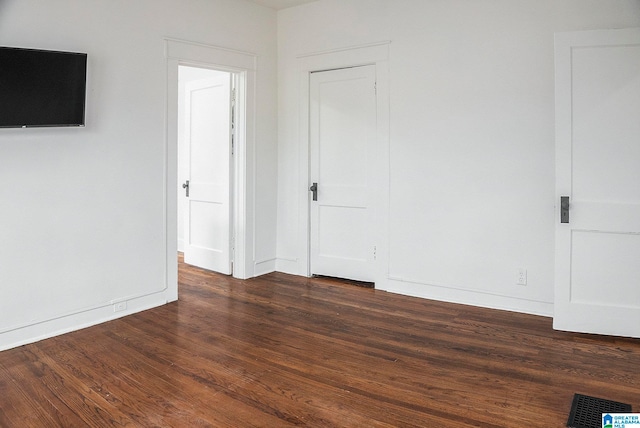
(281, 4)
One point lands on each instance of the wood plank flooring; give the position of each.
(279, 351)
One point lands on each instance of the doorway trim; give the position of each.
(243, 64)
(376, 54)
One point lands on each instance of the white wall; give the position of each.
(472, 137)
(82, 210)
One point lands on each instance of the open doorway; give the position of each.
(242, 66)
(206, 136)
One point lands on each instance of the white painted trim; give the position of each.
(214, 56)
(464, 296)
(287, 265)
(40, 330)
(352, 56)
(243, 64)
(263, 267)
(244, 177)
(371, 54)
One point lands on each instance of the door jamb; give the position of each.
(373, 54)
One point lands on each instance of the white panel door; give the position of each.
(342, 141)
(597, 282)
(208, 136)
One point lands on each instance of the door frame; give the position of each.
(244, 65)
(376, 54)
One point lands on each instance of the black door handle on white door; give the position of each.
(185, 186)
(564, 209)
(314, 189)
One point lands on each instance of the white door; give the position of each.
(342, 141)
(208, 135)
(597, 282)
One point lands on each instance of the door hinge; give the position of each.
(375, 87)
(375, 252)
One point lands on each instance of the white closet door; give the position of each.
(342, 140)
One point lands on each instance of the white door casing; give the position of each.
(243, 65)
(342, 163)
(597, 278)
(208, 140)
(370, 54)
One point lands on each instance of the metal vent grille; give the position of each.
(586, 412)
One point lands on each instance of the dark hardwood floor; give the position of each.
(280, 351)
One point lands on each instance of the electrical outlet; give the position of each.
(522, 277)
(120, 306)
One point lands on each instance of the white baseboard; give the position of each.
(468, 297)
(287, 265)
(264, 267)
(77, 321)
(82, 319)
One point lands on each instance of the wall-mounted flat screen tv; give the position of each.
(42, 88)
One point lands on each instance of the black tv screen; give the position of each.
(42, 88)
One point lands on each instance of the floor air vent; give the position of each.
(586, 412)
